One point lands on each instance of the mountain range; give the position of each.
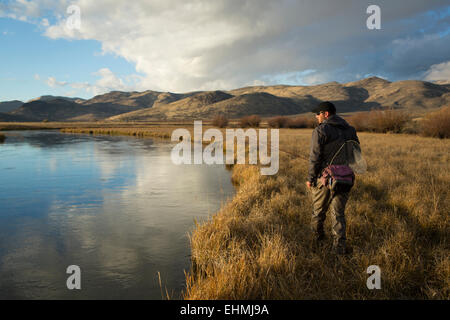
(362, 95)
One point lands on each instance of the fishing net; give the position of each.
(349, 153)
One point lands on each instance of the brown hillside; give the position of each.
(362, 95)
(64, 110)
(8, 106)
(261, 103)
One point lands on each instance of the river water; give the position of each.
(116, 207)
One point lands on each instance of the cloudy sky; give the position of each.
(185, 45)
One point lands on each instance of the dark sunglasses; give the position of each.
(318, 113)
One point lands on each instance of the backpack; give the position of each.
(338, 178)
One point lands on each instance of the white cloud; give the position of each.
(52, 82)
(439, 71)
(316, 78)
(183, 45)
(107, 82)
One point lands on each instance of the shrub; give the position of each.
(250, 121)
(278, 122)
(388, 120)
(220, 121)
(359, 121)
(297, 122)
(302, 122)
(437, 124)
(2, 138)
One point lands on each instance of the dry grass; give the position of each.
(437, 124)
(259, 245)
(157, 132)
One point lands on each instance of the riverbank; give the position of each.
(259, 245)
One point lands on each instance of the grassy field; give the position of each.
(259, 245)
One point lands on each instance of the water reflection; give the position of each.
(115, 206)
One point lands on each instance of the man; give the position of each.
(327, 138)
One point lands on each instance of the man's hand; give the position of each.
(308, 184)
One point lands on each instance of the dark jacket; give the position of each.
(326, 141)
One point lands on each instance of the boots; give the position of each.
(340, 248)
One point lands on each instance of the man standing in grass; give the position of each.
(327, 138)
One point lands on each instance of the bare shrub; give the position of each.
(278, 122)
(302, 122)
(250, 121)
(220, 121)
(437, 124)
(387, 120)
(297, 122)
(359, 121)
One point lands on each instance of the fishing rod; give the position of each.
(294, 155)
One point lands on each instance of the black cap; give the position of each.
(325, 106)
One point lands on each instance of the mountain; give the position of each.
(8, 106)
(5, 117)
(441, 81)
(208, 104)
(65, 110)
(139, 100)
(407, 94)
(48, 98)
(266, 101)
(362, 95)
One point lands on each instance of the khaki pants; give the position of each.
(323, 199)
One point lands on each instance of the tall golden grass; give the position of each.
(259, 245)
(157, 132)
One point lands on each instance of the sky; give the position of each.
(82, 48)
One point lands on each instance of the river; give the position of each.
(115, 206)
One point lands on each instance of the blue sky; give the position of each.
(179, 46)
(30, 55)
